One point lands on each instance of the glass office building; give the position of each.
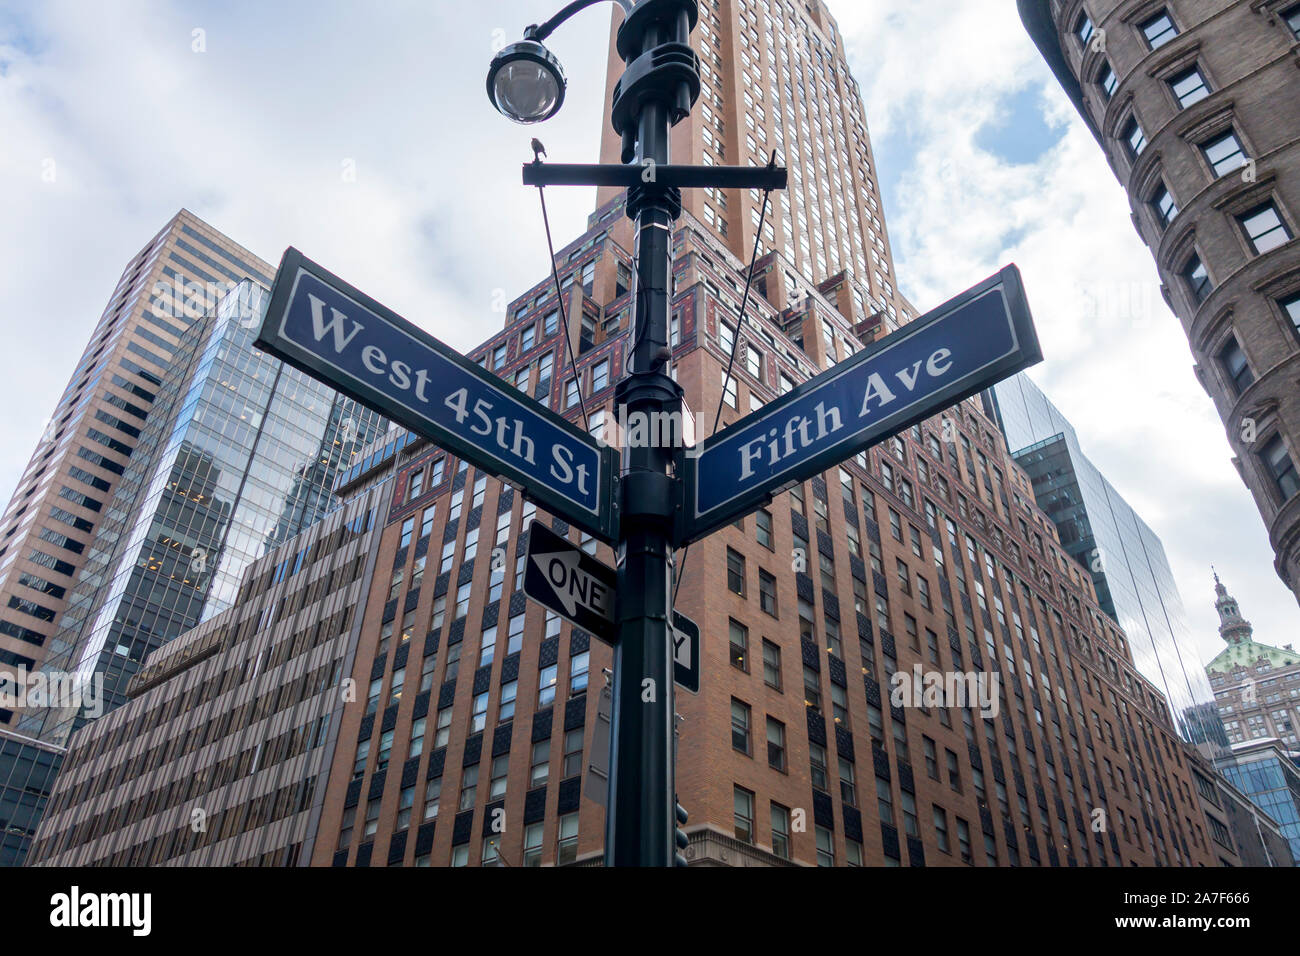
(1125, 558)
(1268, 775)
(239, 454)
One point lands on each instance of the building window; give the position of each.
(1107, 80)
(566, 847)
(771, 665)
(468, 787)
(546, 680)
(931, 757)
(739, 646)
(572, 765)
(767, 592)
(506, 708)
(540, 769)
(500, 771)
(744, 815)
(884, 801)
(579, 669)
(417, 737)
(740, 726)
(763, 528)
(1291, 309)
(1163, 203)
(825, 847)
(600, 375)
(812, 695)
(729, 389)
(963, 840)
(726, 337)
(432, 796)
(775, 744)
(533, 844)
(817, 765)
(1189, 87)
(780, 831)
(1281, 467)
(848, 784)
(1224, 153)
(735, 572)
(1083, 28)
(443, 733)
(478, 719)
(1264, 227)
(1291, 18)
(1235, 366)
(941, 829)
(1198, 280)
(1159, 30)
(1134, 139)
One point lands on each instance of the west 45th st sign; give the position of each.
(339, 335)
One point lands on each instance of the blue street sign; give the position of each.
(967, 344)
(344, 338)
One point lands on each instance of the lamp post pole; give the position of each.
(657, 90)
(639, 827)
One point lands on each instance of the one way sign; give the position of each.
(561, 576)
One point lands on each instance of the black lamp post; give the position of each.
(657, 90)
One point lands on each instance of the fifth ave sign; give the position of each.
(965, 345)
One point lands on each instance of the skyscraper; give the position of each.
(1257, 686)
(241, 453)
(1193, 102)
(59, 502)
(231, 454)
(819, 613)
(1126, 559)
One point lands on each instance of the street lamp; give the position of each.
(526, 83)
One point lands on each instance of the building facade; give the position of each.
(59, 504)
(240, 454)
(1193, 102)
(1268, 775)
(820, 614)
(221, 756)
(1126, 559)
(1240, 832)
(1256, 686)
(231, 452)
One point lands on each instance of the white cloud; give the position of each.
(1116, 360)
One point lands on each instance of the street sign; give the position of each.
(970, 342)
(686, 652)
(342, 337)
(561, 576)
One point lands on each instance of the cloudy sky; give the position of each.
(116, 115)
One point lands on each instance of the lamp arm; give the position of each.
(541, 32)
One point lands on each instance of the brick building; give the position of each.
(1194, 103)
